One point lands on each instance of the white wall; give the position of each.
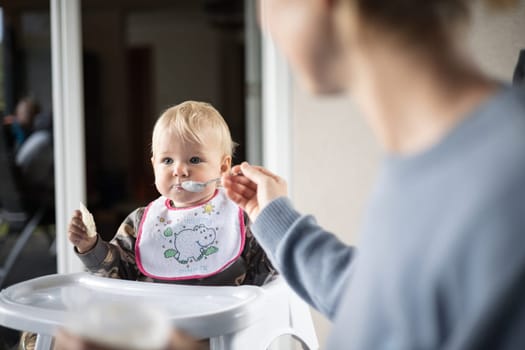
(334, 164)
(331, 141)
(497, 37)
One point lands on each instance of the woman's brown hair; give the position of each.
(419, 21)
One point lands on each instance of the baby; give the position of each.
(182, 236)
(191, 234)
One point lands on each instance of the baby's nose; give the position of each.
(180, 169)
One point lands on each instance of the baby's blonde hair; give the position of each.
(188, 119)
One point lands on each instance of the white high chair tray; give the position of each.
(41, 304)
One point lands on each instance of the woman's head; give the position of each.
(320, 37)
(429, 22)
(191, 142)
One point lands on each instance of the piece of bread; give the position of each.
(88, 220)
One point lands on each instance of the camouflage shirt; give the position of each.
(116, 259)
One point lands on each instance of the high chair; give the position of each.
(233, 318)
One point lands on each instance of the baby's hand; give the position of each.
(78, 235)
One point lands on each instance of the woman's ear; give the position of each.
(226, 164)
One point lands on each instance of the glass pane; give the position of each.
(27, 217)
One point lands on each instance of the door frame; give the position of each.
(270, 130)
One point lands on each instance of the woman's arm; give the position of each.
(314, 262)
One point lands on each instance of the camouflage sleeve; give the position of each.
(259, 268)
(116, 259)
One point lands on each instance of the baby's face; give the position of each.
(177, 160)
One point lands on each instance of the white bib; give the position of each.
(187, 243)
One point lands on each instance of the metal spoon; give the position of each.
(197, 186)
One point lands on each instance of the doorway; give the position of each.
(141, 58)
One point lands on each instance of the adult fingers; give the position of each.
(266, 172)
(240, 191)
(236, 170)
(239, 196)
(230, 180)
(66, 341)
(256, 173)
(248, 204)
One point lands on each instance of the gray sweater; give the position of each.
(441, 259)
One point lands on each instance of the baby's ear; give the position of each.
(226, 164)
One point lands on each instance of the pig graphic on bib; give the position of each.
(193, 244)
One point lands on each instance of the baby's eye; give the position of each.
(167, 161)
(195, 160)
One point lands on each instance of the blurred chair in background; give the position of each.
(26, 190)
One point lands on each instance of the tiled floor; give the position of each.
(35, 260)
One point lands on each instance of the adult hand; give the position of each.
(67, 341)
(254, 189)
(77, 233)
